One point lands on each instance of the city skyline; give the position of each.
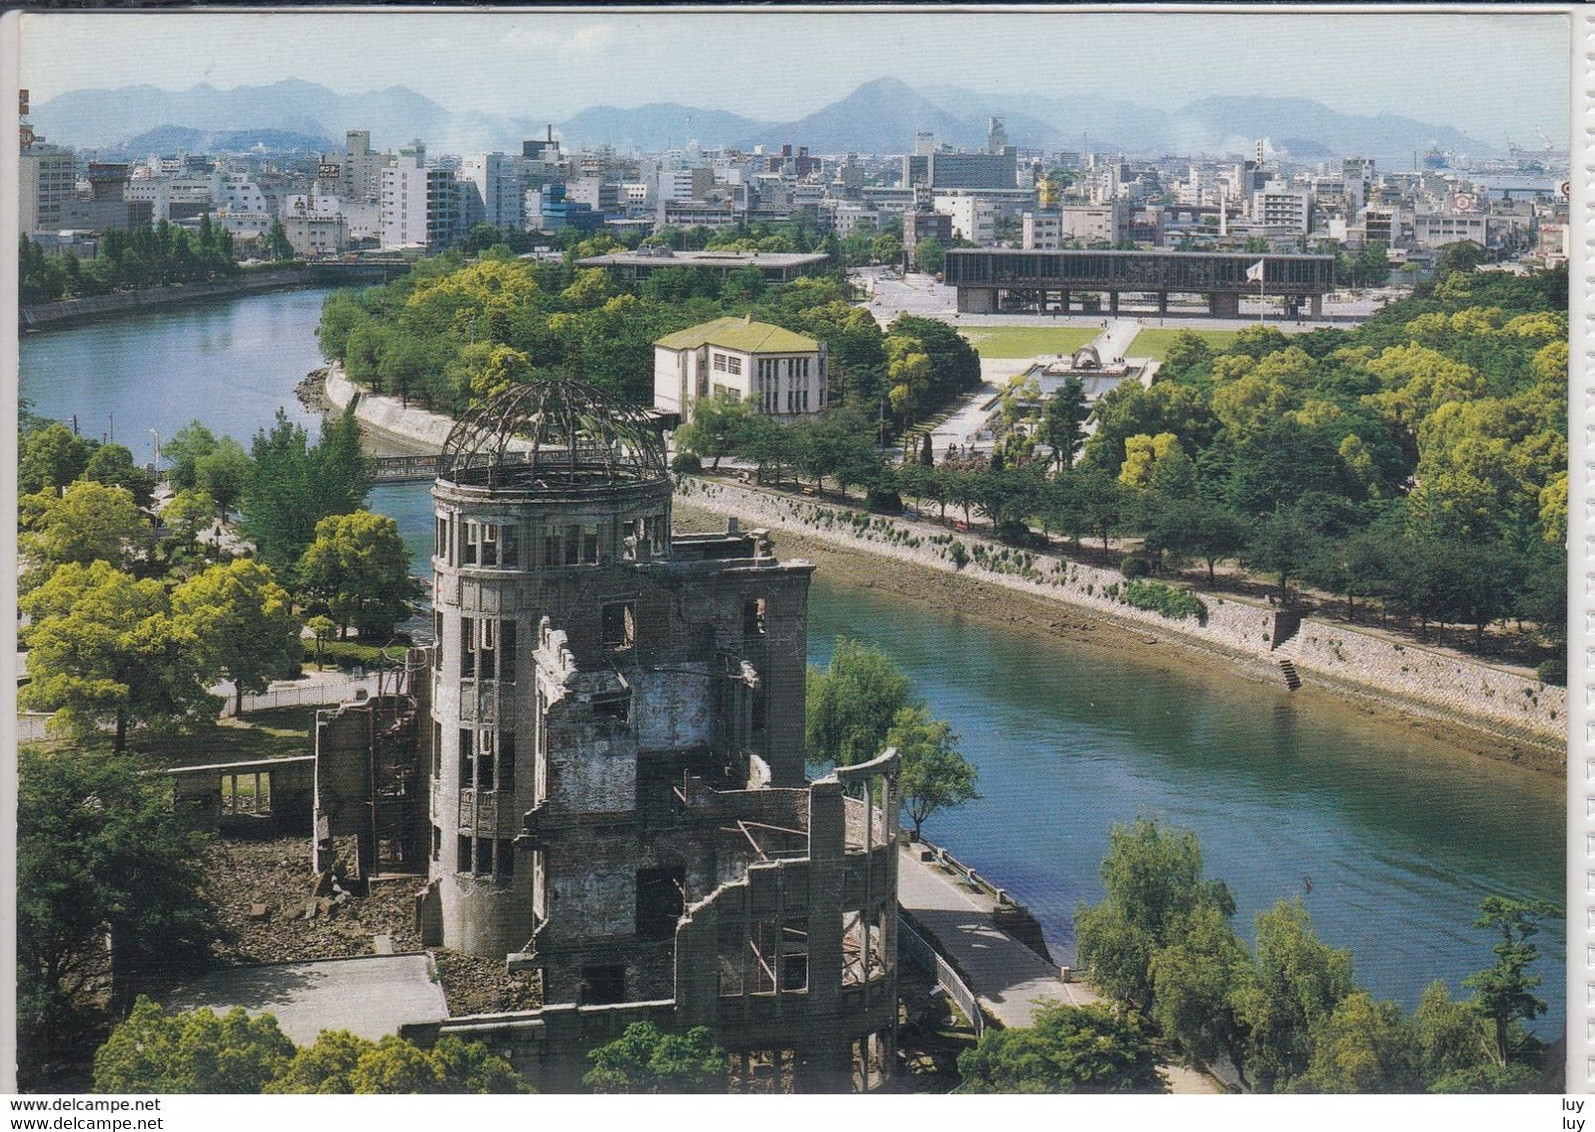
(548, 64)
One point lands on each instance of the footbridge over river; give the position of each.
(404, 469)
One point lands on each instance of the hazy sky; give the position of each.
(1486, 74)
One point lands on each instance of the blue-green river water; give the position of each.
(1399, 836)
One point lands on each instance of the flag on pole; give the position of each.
(1254, 273)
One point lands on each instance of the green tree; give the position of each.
(195, 1052)
(929, 255)
(1297, 984)
(358, 566)
(104, 647)
(1455, 1043)
(1504, 993)
(100, 854)
(1063, 418)
(223, 472)
(293, 485)
(1194, 980)
(244, 623)
(718, 427)
(1283, 543)
(646, 1060)
(183, 516)
(1069, 1049)
(113, 465)
(185, 449)
(852, 703)
(935, 775)
(1362, 1047)
(1153, 881)
(321, 629)
(51, 458)
(277, 245)
(90, 522)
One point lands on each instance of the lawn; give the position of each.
(1155, 343)
(1027, 341)
(273, 734)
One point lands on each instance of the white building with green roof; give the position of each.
(777, 372)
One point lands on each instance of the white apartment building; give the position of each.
(420, 203)
(684, 184)
(1049, 229)
(847, 217)
(1276, 206)
(498, 183)
(48, 179)
(1042, 231)
(777, 372)
(974, 218)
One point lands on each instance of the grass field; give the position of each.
(1027, 341)
(1155, 343)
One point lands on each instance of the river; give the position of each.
(1397, 837)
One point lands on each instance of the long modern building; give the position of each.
(991, 280)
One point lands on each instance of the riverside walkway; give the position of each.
(1008, 979)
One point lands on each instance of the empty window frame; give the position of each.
(754, 613)
(485, 856)
(661, 899)
(619, 626)
(603, 986)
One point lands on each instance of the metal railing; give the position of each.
(913, 946)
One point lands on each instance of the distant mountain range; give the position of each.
(878, 117)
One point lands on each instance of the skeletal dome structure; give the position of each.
(552, 435)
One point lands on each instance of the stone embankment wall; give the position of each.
(1257, 636)
(98, 306)
(387, 416)
(1336, 654)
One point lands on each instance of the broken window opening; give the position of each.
(619, 626)
(489, 544)
(506, 647)
(467, 647)
(614, 708)
(661, 900)
(603, 986)
(248, 793)
(590, 542)
(753, 616)
(505, 857)
(509, 547)
(506, 761)
(573, 544)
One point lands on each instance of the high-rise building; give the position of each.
(421, 203)
(49, 179)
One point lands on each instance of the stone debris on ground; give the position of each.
(274, 909)
(476, 985)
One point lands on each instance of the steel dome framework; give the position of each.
(553, 434)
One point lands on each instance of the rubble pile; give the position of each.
(473, 985)
(274, 909)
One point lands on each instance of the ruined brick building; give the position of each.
(601, 763)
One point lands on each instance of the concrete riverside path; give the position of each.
(1008, 979)
(1006, 976)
